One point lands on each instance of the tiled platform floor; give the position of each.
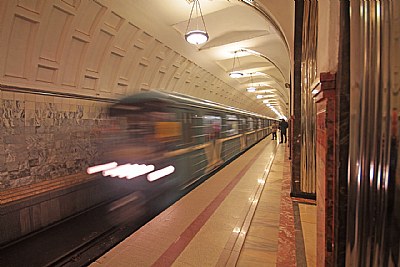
(242, 216)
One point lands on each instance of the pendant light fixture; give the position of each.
(233, 73)
(196, 36)
(251, 88)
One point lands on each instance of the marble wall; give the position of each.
(325, 167)
(43, 137)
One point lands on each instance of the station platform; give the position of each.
(241, 216)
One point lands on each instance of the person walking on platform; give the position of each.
(274, 128)
(283, 127)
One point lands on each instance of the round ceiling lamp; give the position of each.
(196, 36)
(233, 73)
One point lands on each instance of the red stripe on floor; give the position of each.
(175, 249)
(286, 256)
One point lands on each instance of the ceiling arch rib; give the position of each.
(232, 37)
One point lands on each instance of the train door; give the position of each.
(242, 131)
(251, 133)
(212, 130)
(185, 118)
(232, 125)
(212, 127)
(259, 129)
(231, 145)
(188, 140)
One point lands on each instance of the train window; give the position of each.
(187, 126)
(232, 125)
(197, 129)
(212, 126)
(259, 124)
(166, 126)
(154, 126)
(243, 125)
(137, 126)
(251, 124)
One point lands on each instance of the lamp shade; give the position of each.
(235, 74)
(196, 37)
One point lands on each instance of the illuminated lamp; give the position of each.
(233, 73)
(196, 36)
(251, 88)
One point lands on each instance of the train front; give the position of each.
(142, 129)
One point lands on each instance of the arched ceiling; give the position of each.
(232, 26)
(111, 48)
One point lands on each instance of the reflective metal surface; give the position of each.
(309, 74)
(373, 206)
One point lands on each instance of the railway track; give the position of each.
(80, 240)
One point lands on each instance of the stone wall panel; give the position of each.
(46, 140)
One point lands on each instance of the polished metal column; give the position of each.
(309, 75)
(373, 193)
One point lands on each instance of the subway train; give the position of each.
(158, 139)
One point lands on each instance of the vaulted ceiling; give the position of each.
(112, 48)
(246, 26)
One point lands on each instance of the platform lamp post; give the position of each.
(196, 36)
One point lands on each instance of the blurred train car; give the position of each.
(160, 140)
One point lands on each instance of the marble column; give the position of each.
(325, 167)
(295, 120)
(342, 134)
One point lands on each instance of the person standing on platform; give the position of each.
(274, 128)
(283, 127)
